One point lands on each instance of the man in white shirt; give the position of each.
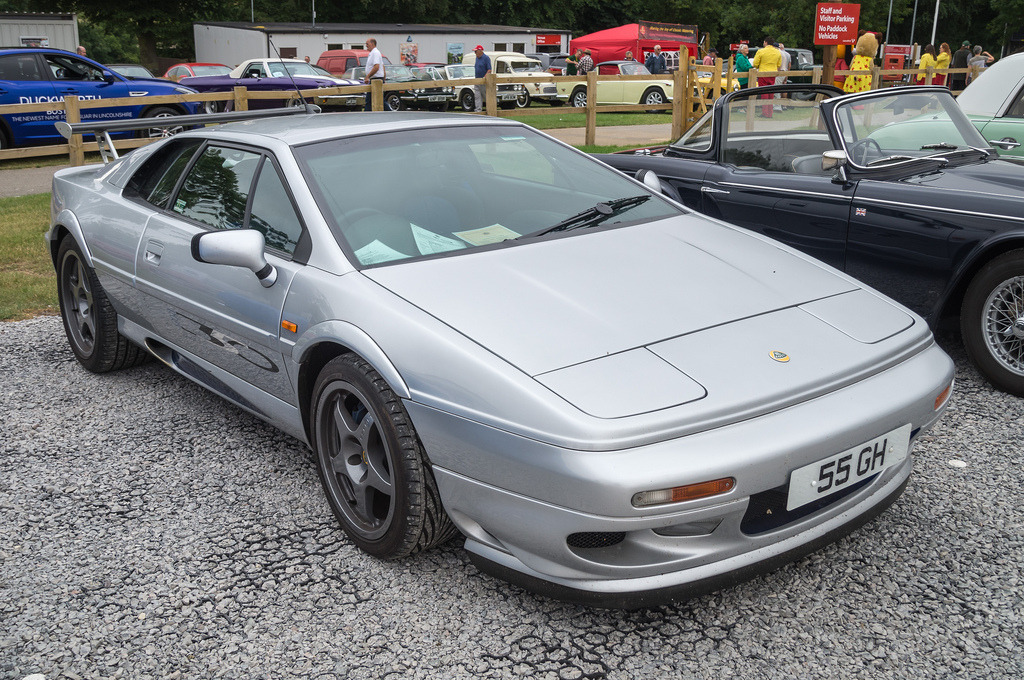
(374, 69)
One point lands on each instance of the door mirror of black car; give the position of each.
(650, 179)
(833, 159)
(235, 248)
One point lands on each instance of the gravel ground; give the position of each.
(151, 530)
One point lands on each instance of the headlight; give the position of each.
(183, 90)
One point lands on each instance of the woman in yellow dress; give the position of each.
(927, 60)
(864, 59)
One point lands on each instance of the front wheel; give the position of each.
(393, 102)
(578, 98)
(165, 130)
(523, 100)
(90, 321)
(992, 322)
(653, 97)
(372, 465)
(466, 100)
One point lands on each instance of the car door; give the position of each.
(24, 81)
(768, 176)
(77, 77)
(219, 313)
(1008, 127)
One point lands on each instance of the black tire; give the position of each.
(373, 468)
(992, 321)
(578, 98)
(651, 96)
(90, 322)
(165, 131)
(523, 100)
(467, 100)
(393, 101)
(4, 142)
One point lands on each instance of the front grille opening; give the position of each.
(587, 540)
(767, 510)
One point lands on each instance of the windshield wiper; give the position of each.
(595, 215)
(940, 145)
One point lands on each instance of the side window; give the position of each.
(502, 68)
(155, 179)
(273, 213)
(68, 68)
(19, 67)
(1016, 109)
(216, 189)
(698, 138)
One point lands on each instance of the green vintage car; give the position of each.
(994, 102)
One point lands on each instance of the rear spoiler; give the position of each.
(101, 129)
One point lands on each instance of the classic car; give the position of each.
(894, 187)
(37, 75)
(196, 69)
(257, 83)
(419, 95)
(509, 95)
(994, 102)
(614, 400)
(517, 65)
(339, 61)
(654, 91)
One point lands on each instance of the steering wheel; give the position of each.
(861, 150)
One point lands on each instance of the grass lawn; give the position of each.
(27, 282)
(568, 117)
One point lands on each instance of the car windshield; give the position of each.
(132, 71)
(452, 190)
(633, 68)
(211, 70)
(905, 125)
(427, 73)
(296, 68)
(401, 73)
(521, 66)
(460, 71)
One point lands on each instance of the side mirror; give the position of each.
(650, 180)
(108, 76)
(235, 248)
(833, 159)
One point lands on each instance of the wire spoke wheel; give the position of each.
(992, 321)
(1004, 324)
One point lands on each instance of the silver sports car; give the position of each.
(481, 330)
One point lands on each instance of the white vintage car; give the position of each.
(516, 65)
(654, 91)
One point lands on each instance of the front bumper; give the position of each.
(523, 504)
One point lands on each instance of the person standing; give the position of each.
(979, 60)
(655, 62)
(586, 63)
(572, 63)
(743, 63)
(927, 61)
(709, 58)
(80, 50)
(958, 81)
(629, 56)
(942, 60)
(767, 60)
(787, 61)
(481, 67)
(374, 69)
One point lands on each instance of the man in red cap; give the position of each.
(482, 68)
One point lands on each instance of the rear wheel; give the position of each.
(653, 96)
(90, 322)
(578, 98)
(372, 465)
(992, 321)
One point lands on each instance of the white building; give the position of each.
(233, 42)
(39, 30)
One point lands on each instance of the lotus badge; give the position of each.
(779, 356)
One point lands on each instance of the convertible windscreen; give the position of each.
(415, 193)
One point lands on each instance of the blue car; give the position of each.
(38, 75)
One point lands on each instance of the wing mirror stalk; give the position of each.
(235, 248)
(835, 160)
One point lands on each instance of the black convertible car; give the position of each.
(894, 187)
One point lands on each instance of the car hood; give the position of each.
(992, 177)
(663, 313)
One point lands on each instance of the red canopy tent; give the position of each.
(612, 43)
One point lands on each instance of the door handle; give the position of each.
(1006, 143)
(153, 253)
(712, 190)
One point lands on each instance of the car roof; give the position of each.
(296, 130)
(987, 94)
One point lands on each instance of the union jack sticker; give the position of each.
(862, 212)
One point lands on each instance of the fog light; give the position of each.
(690, 492)
(943, 396)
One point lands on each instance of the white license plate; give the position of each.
(837, 472)
(506, 97)
(435, 98)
